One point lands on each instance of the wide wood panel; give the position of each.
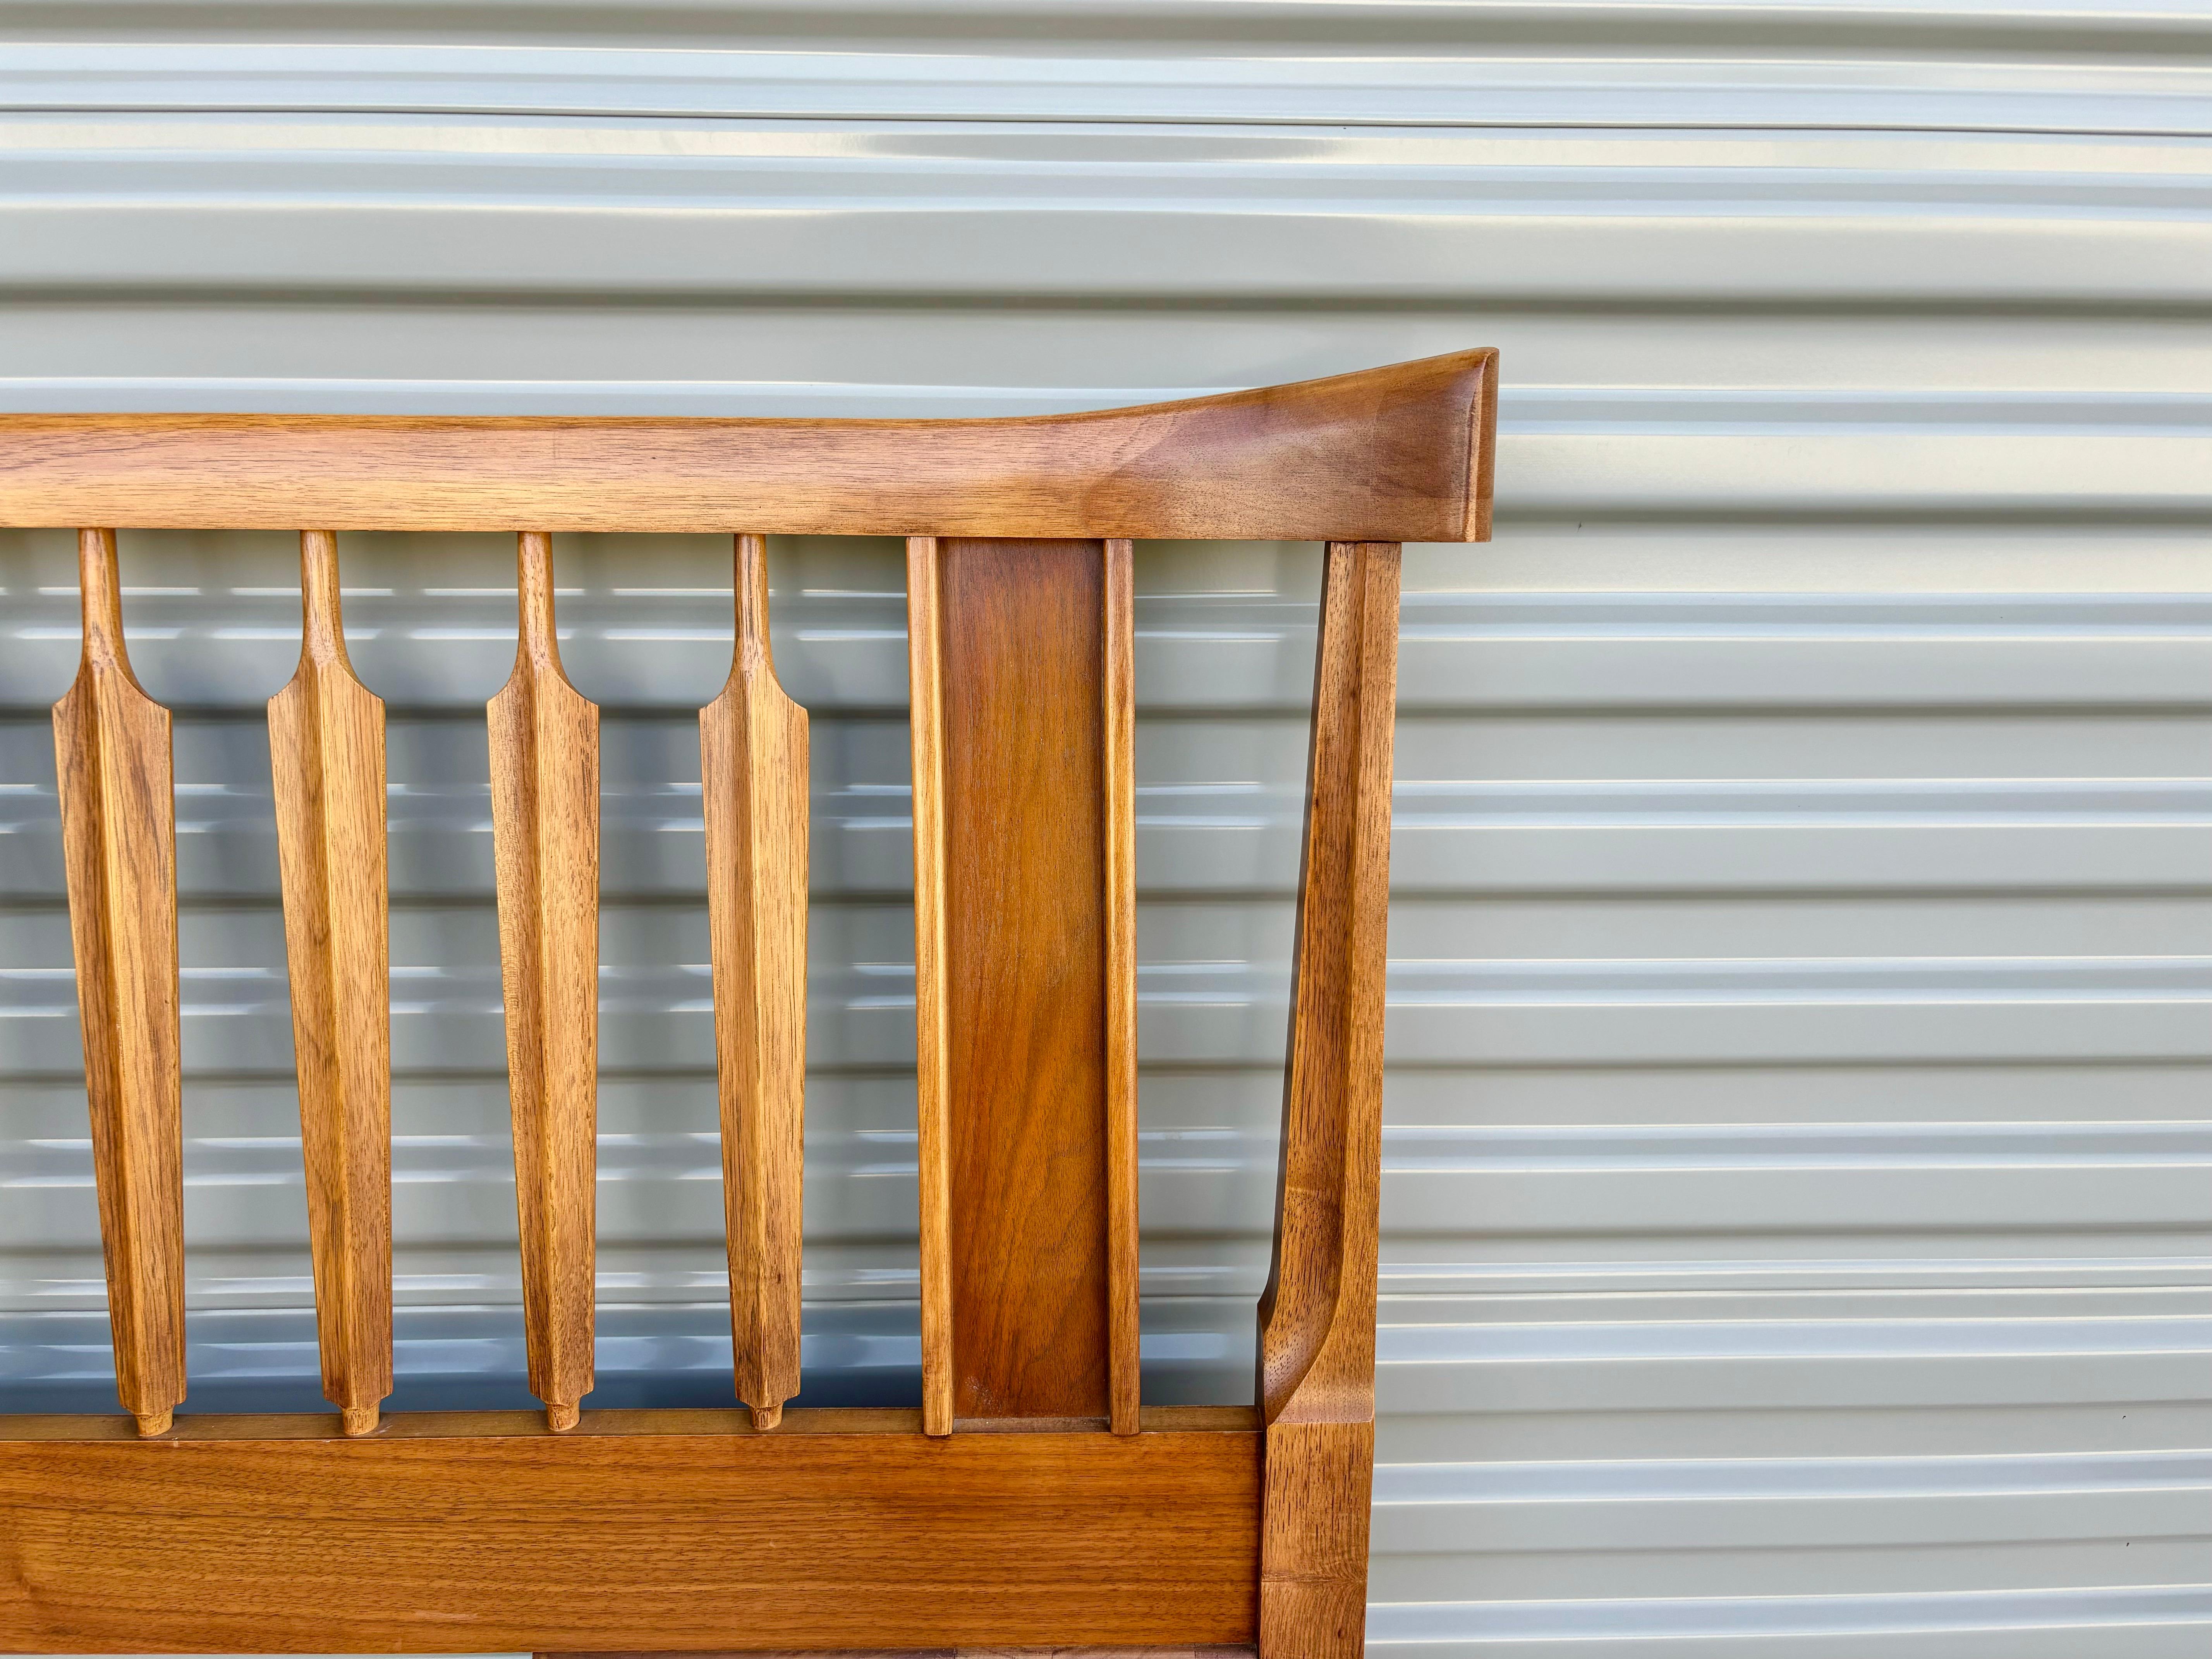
(326, 755)
(1025, 959)
(753, 768)
(545, 839)
(1318, 1315)
(1402, 453)
(595, 1541)
(119, 850)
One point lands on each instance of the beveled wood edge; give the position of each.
(1117, 841)
(932, 998)
(1405, 452)
(1234, 1651)
(531, 1425)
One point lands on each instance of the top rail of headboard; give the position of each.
(1402, 453)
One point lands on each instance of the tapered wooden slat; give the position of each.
(931, 1004)
(753, 769)
(1317, 1316)
(119, 843)
(545, 836)
(1118, 838)
(327, 758)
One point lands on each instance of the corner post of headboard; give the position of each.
(1317, 1384)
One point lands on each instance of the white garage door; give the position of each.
(1796, 1191)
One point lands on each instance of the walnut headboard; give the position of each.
(1033, 1499)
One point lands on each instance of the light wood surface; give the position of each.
(931, 1001)
(327, 757)
(1118, 849)
(545, 837)
(615, 1532)
(1318, 1315)
(599, 1543)
(1402, 453)
(1313, 1540)
(753, 769)
(1022, 639)
(697, 1421)
(120, 847)
(1237, 1650)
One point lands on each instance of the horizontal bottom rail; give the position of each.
(675, 1531)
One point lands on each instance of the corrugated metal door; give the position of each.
(1801, 1000)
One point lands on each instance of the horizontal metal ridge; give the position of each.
(2127, 1622)
(627, 211)
(1467, 67)
(1750, 1479)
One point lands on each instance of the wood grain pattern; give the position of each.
(1320, 1484)
(1118, 848)
(753, 768)
(531, 1426)
(932, 1000)
(545, 836)
(617, 1532)
(119, 845)
(1400, 454)
(1236, 1650)
(1022, 640)
(611, 1542)
(1317, 1316)
(326, 754)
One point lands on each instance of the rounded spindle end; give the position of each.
(151, 1424)
(561, 1418)
(358, 1420)
(767, 1417)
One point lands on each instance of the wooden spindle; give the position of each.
(1119, 846)
(327, 757)
(111, 756)
(932, 1003)
(545, 842)
(753, 773)
(1317, 1316)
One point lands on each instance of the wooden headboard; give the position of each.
(1032, 1500)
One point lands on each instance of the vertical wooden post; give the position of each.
(326, 754)
(1318, 1316)
(111, 757)
(753, 768)
(545, 842)
(1118, 840)
(933, 1040)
